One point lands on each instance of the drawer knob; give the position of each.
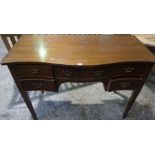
(38, 85)
(128, 69)
(125, 84)
(34, 71)
(67, 73)
(98, 73)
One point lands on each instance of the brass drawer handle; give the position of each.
(98, 73)
(38, 85)
(128, 69)
(67, 73)
(125, 84)
(34, 71)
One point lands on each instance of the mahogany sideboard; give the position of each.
(43, 62)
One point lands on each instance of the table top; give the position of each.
(147, 39)
(78, 50)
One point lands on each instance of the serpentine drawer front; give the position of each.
(81, 72)
(43, 62)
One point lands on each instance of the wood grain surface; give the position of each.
(78, 50)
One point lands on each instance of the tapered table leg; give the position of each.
(130, 102)
(27, 100)
(28, 103)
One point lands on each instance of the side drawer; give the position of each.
(28, 71)
(125, 84)
(130, 69)
(39, 84)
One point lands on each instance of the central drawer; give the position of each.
(80, 72)
(30, 71)
(37, 84)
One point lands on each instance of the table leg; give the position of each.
(27, 100)
(130, 102)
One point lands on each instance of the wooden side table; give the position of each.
(43, 62)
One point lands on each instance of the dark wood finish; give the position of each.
(29, 71)
(80, 72)
(125, 84)
(10, 40)
(37, 84)
(130, 69)
(43, 62)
